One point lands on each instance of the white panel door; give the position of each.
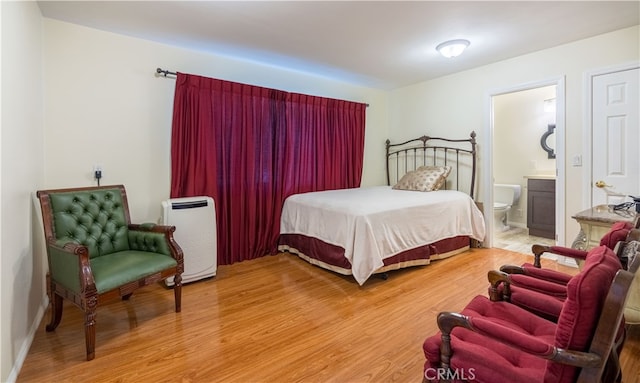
(615, 137)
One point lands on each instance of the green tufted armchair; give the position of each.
(95, 253)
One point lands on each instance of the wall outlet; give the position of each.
(97, 172)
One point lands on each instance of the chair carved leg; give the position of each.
(56, 311)
(177, 291)
(612, 370)
(90, 327)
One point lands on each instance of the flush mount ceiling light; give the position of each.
(452, 48)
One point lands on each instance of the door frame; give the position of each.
(587, 177)
(559, 82)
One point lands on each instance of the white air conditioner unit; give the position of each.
(195, 222)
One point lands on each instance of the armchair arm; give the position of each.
(69, 265)
(534, 272)
(496, 278)
(529, 344)
(533, 283)
(447, 321)
(537, 296)
(155, 238)
(512, 269)
(152, 228)
(533, 345)
(538, 250)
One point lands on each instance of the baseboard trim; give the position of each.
(26, 345)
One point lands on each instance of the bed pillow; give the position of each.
(424, 178)
(446, 170)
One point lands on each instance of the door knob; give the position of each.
(601, 184)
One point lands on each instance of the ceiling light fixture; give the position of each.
(452, 48)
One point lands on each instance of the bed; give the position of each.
(425, 212)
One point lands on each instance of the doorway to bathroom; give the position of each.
(524, 166)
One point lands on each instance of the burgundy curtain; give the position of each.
(250, 147)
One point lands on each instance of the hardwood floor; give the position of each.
(275, 319)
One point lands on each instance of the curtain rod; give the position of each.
(166, 72)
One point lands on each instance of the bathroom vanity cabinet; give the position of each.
(541, 207)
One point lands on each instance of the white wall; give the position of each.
(105, 105)
(22, 261)
(457, 104)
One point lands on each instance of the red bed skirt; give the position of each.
(323, 254)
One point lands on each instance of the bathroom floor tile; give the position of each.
(518, 239)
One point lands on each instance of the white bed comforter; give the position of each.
(375, 223)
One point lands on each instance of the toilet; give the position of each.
(504, 197)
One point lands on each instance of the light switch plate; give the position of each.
(577, 160)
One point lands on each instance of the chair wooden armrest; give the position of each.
(497, 278)
(513, 269)
(538, 250)
(152, 227)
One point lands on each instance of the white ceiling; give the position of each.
(380, 44)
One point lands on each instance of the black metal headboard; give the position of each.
(459, 154)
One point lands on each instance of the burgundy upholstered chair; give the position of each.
(617, 233)
(496, 341)
(543, 292)
(545, 298)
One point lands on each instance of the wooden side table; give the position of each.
(596, 222)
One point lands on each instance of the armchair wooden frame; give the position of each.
(87, 298)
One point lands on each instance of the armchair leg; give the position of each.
(56, 311)
(612, 369)
(90, 337)
(177, 291)
(90, 327)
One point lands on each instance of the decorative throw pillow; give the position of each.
(425, 178)
(446, 170)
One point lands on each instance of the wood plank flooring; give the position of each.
(275, 319)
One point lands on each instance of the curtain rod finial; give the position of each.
(165, 72)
